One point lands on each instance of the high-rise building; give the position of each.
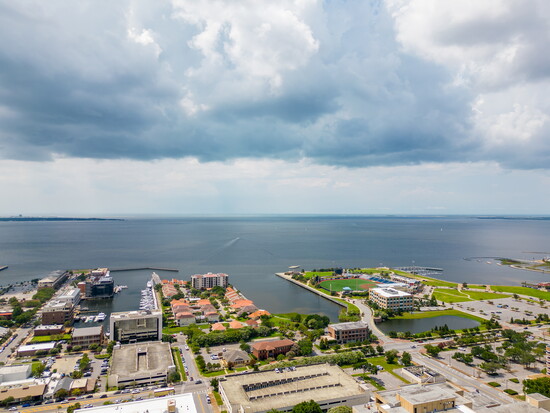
(204, 281)
(135, 326)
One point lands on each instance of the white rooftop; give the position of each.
(184, 403)
(390, 292)
(39, 346)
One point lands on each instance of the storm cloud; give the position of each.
(340, 83)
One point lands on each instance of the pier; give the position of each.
(145, 268)
(425, 271)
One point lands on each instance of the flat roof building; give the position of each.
(70, 295)
(178, 403)
(141, 364)
(260, 392)
(349, 332)
(391, 299)
(54, 279)
(15, 373)
(135, 326)
(203, 281)
(58, 312)
(31, 349)
(49, 330)
(87, 335)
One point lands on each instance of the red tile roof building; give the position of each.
(266, 349)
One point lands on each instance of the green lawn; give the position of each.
(381, 361)
(179, 364)
(476, 286)
(44, 339)
(455, 296)
(450, 296)
(322, 274)
(522, 290)
(431, 314)
(356, 284)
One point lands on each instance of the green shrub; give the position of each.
(514, 380)
(511, 392)
(494, 384)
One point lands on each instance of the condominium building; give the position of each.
(204, 281)
(391, 299)
(58, 312)
(348, 332)
(134, 326)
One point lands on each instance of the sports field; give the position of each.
(356, 284)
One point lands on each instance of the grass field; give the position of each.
(454, 296)
(179, 363)
(355, 284)
(431, 314)
(322, 274)
(522, 290)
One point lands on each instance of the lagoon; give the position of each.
(425, 324)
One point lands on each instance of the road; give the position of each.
(22, 333)
(461, 379)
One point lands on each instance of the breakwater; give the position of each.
(145, 268)
(313, 290)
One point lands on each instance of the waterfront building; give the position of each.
(349, 332)
(169, 290)
(54, 279)
(141, 364)
(272, 348)
(204, 281)
(134, 326)
(98, 284)
(391, 299)
(87, 335)
(414, 285)
(259, 392)
(69, 295)
(58, 312)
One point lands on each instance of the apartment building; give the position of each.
(204, 281)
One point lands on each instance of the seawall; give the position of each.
(313, 290)
(145, 268)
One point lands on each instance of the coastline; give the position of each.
(307, 287)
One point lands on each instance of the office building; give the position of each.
(15, 373)
(391, 299)
(135, 326)
(32, 349)
(204, 281)
(177, 403)
(54, 279)
(88, 335)
(271, 348)
(262, 391)
(349, 332)
(69, 295)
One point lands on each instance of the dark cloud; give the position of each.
(120, 81)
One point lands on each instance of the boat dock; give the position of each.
(145, 268)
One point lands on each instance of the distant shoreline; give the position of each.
(27, 219)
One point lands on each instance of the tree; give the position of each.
(432, 350)
(174, 377)
(366, 367)
(61, 394)
(380, 349)
(490, 367)
(406, 359)
(306, 347)
(73, 407)
(540, 385)
(391, 356)
(215, 384)
(8, 400)
(307, 407)
(245, 347)
(84, 362)
(37, 369)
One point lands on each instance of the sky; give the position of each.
(296, 107)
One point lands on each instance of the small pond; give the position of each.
(425, 324)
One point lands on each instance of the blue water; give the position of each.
(252, 249)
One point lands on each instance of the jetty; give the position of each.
(145, 268)
(3, 267)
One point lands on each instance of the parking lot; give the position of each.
(515, 308)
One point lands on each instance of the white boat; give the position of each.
(100, 317)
